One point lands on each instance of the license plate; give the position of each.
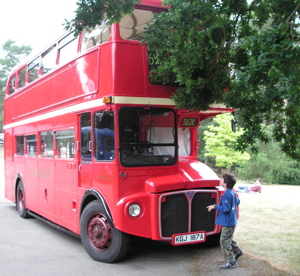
(179, 239)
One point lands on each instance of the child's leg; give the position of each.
(235, 247)
(226, 241)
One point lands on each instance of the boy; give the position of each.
(227, 218)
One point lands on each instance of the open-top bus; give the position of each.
(95, 147)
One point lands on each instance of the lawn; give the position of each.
(269, 226)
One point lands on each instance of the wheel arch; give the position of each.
(91, 195)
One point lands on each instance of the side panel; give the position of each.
(9, 164)
(31, 184)
(47, 198)
(71, 82)
(65, 172)
(130, 70)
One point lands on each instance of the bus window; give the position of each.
(64, 140)
(184, 141)
(20, 145)
(33, 69)
(49, 59)
(22, 77)
(31, 145)
(104, 140)
(86, 143)
(132, 26)
(147, 136)
(12, 84)
(92, 37)
(46, 139)
(67, 48)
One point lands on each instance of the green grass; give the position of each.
(269, 226)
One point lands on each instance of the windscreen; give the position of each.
(147, 136)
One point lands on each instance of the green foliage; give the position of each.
(203, 127)
(245, 47)
(195, 50)
(270, 164)
(92, 12)
(220, 141)
(12, 54)
(248, 48)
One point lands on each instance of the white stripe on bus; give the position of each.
(97, 103)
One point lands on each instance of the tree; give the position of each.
(12, 56)
(249, 49)
(220, 142)
(270, 164)
(93, 12)
(201, 151)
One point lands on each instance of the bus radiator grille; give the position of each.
(183, 212)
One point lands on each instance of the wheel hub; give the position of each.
(20, 200)
(100, 232)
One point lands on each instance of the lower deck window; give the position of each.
(31, 147)
(64, 140)
(46, 144)
(20, 145)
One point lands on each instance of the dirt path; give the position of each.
(209, 264)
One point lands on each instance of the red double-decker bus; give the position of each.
(96, 147)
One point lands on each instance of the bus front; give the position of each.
(164, 188)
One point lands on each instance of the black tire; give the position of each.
(20, 201)
(101, 240)
(213, 240)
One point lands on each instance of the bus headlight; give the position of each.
(134, 210)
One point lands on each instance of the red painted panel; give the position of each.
(46, 196)
(164, 183)
(200, 175)
(31, 184)
(65, 183)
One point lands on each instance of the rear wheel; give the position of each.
(20, 201)
(102, 241)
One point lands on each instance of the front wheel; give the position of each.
(213, 240)
(102, 241)
(20, 201)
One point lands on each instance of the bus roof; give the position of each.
(150, 4)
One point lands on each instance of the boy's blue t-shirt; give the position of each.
(227, 210)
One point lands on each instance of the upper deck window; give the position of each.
(33, 70)
(132, 26)
(67, 48)
(48, 59)
(12, 84)
(22, 77)
(92, 37)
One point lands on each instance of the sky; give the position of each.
(35, 23)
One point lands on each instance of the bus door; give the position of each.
(66, 178)
(97, 151)
(85, 159)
